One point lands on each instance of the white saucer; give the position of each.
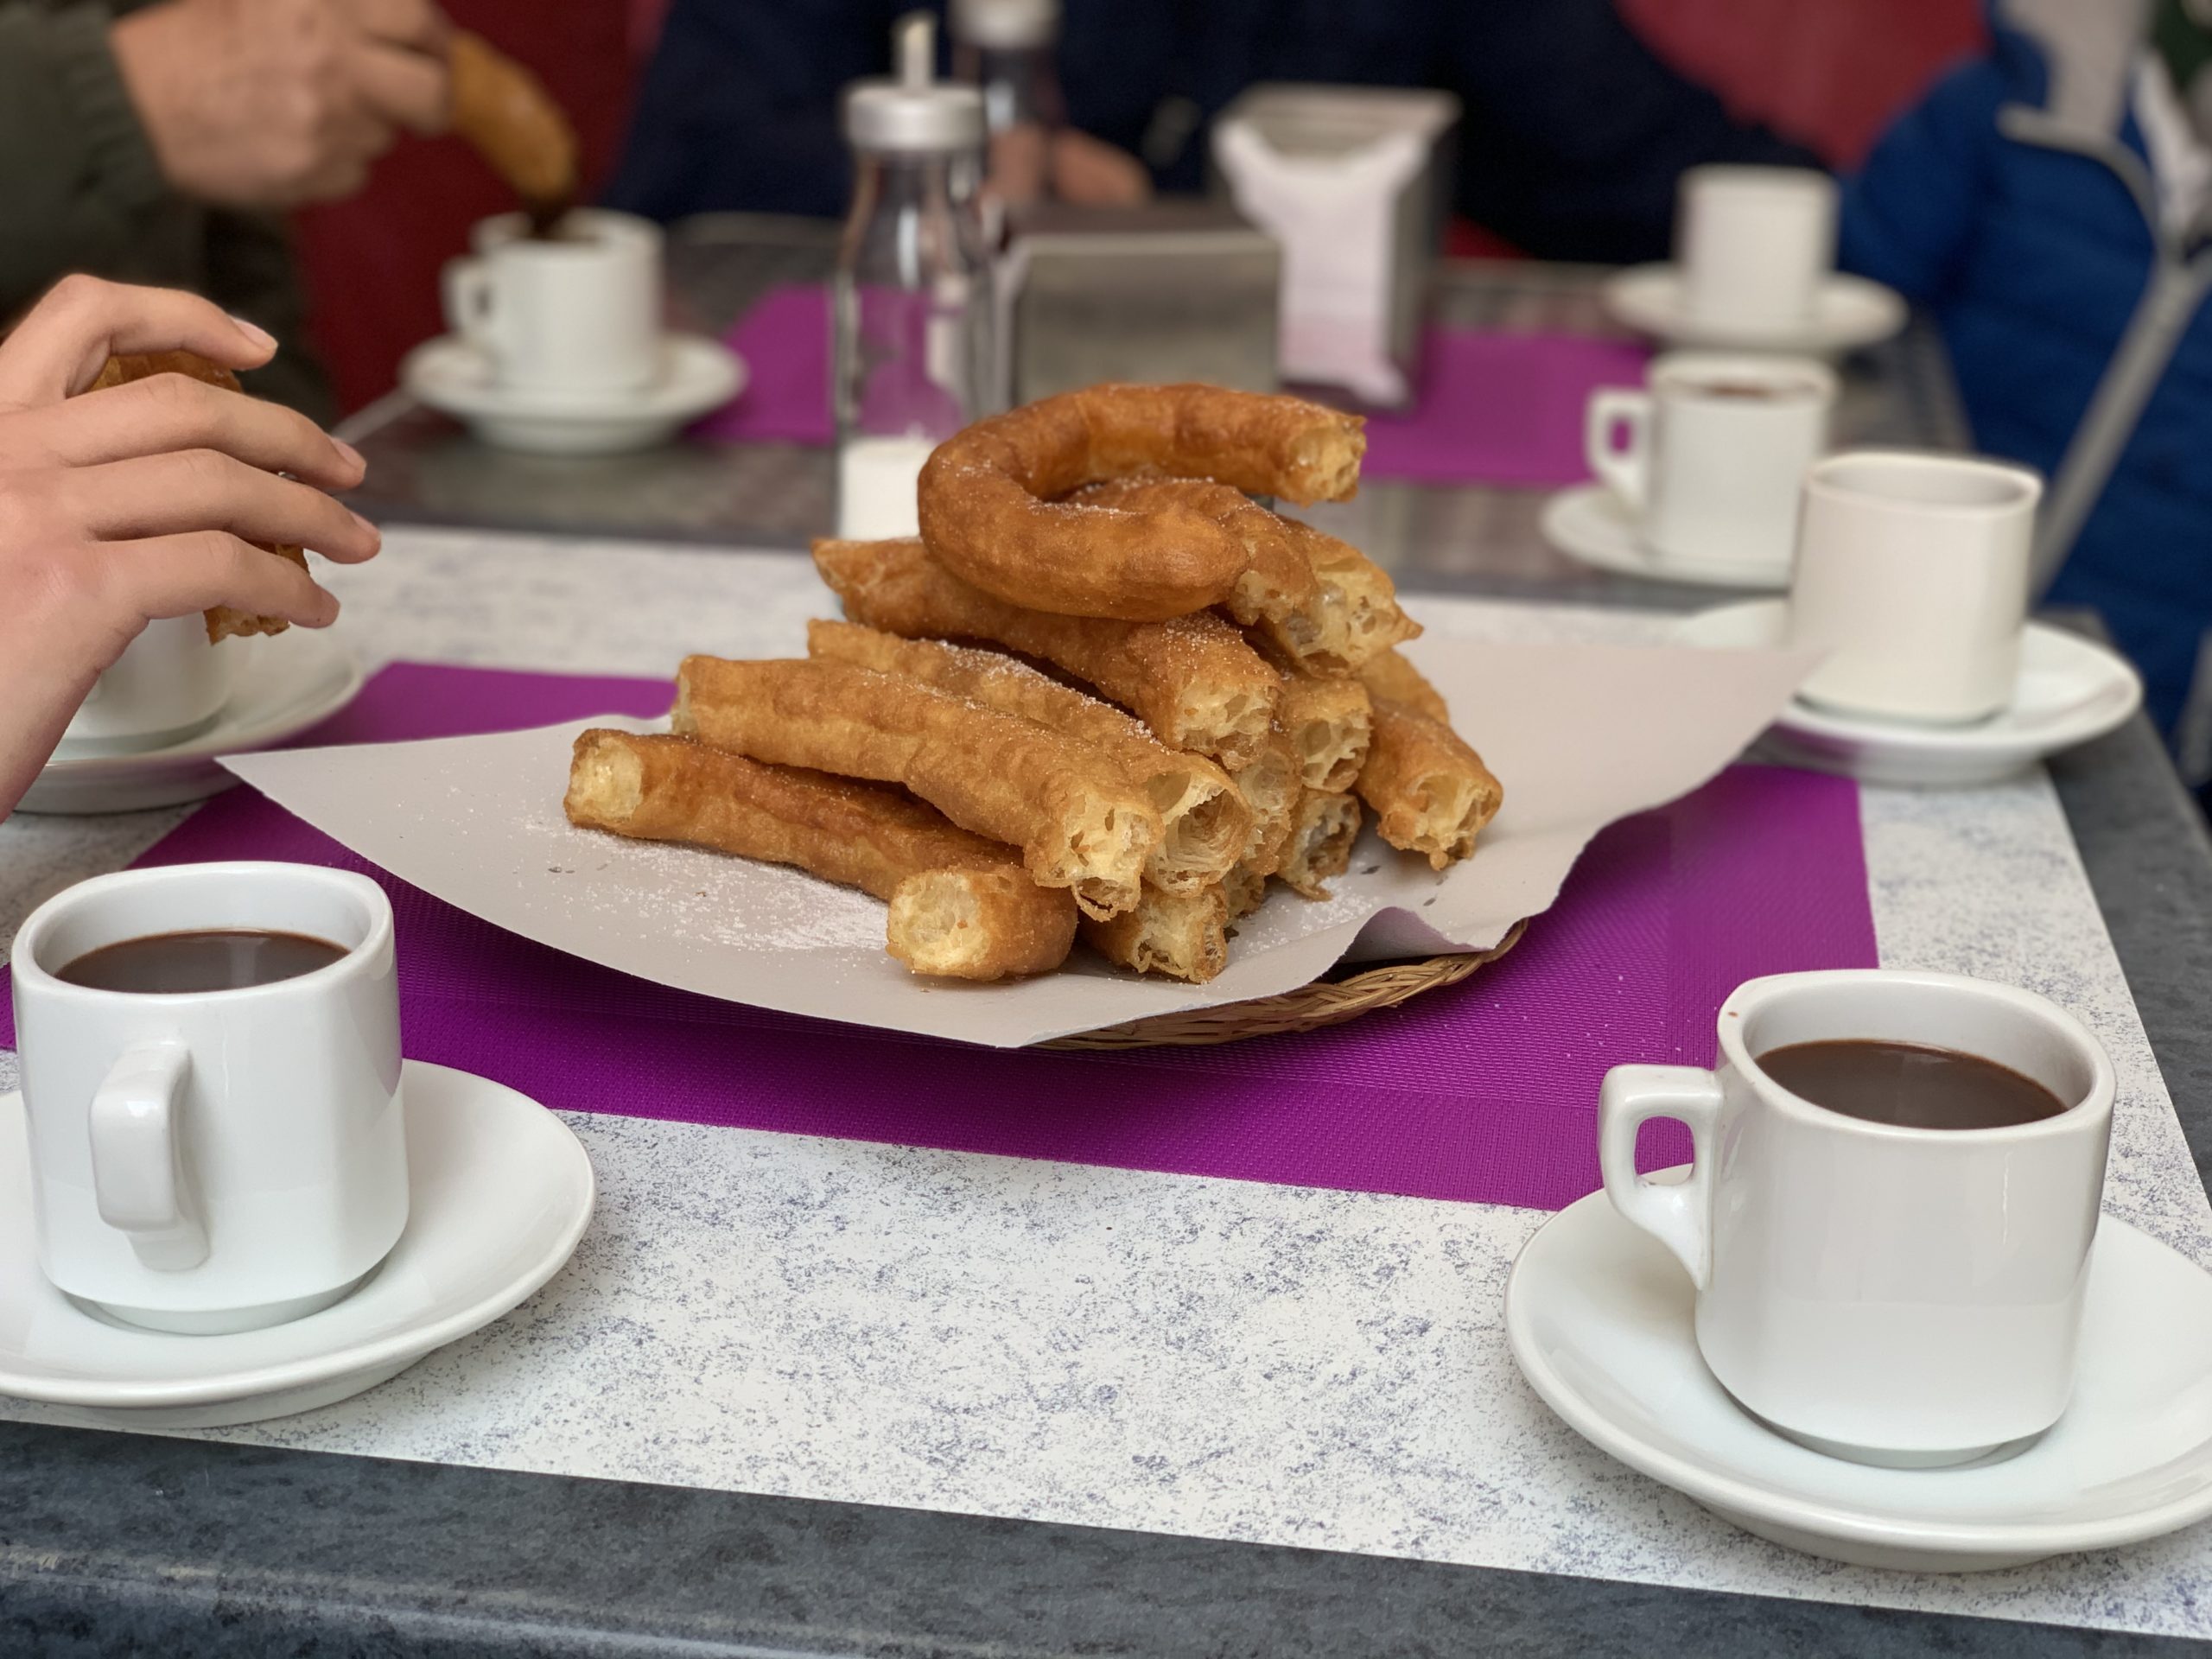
(1847, 312)
(1597, 1315)
(698, 375)
(501, 1191)
(1593, 525)
(2071, 690)
(285, 682)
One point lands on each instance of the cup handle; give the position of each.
(1625, 470)
(469, 301)
(1679, 1216)
(138, 1174)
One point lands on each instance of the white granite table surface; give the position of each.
(957, 1331)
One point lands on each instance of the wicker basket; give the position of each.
(1325, 1002)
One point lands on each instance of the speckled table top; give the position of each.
(939, 1332)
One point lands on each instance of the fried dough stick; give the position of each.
(988, 506)
(505, 112)
(1391, 676)
(1184, 936)
(1269, 782)
(1204, 822)
(1194, 680)
(961, 906)
(1320, 850)
(1430, 792)
(1069, 806)
(1330, 723)
(1321, 602)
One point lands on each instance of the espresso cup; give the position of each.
(168, 685)
(1754, 244)
(217, 1160)
(577, 313)
(1903, 1296)
(1912, 574)
(1712, 455)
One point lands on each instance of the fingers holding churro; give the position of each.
(960, 906)
(505, 112)
(1070, 808)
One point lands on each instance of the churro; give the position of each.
(1182, 935)
(223, 621)
(1194, 680)
(1430, 792)
(1070, 806)
(961, 906)
(1269, 781)
(1204, 822)
(1330, 723)
(1322, 830)
(1391, 676)
(987, 507)
(1321, 602)
(505, 112)
(1243, 887)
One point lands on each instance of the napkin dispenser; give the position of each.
(1186, 290)
(1355, 183)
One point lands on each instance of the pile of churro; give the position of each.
(1106, 694)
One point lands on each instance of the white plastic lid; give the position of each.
(913, 112)
(1006, 25)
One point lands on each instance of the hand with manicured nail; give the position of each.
(142, 501)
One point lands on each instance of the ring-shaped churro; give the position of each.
(961, 906)
(1070, 806)
(988, 506)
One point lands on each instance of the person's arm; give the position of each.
(1910, 211)
(1576, 133)
(76, 170)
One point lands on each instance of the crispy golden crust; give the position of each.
(1204, 821)
(960, 906)
(223, 621)
(1322, 831)
(1392, 676)
(1069, 806)
(1330, 723)
(506, 114)
(1194, 680)
(1430, 792)
(1269, 783)
(1243, 887)
(1319, 601)
(1183, 936)
(988, 505)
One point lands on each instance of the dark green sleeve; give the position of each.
(251, 273)
(77, 173)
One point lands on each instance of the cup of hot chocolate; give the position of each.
(211, 1077)
(573, 311)
(1894, 1188)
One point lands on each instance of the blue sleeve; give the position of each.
(1910, 214)
(738, 109)
(1576, 131)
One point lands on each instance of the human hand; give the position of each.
(268, 104)
(1091, 173)
(142, 501)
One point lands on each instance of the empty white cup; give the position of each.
(1912, 574)
(1754, 244)
(577, 313)
(1712, 455)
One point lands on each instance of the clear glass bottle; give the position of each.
(1007, 50)
(911, 313)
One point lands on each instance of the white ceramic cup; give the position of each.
(578, 314)
(221, 1161)
(1912, 574)
(1754, 244)
(168, 685)
(1909, 1297)
(1710, 456)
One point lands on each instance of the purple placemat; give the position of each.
(1495, 407)
(1486, 1091)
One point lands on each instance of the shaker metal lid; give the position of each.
(913, 112)
(1006, 25)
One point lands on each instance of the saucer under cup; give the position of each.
(574, 312)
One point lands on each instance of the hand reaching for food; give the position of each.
(155, 497)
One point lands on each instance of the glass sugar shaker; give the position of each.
(912, 316)
(1005, 48)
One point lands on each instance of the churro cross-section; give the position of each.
(960, 906)
(1182, 934)
(1194, 680)
(1330, 723)
(1204, 822)
(1071, 807)
(1430, 792)
(1269, 781)
(1322, 831)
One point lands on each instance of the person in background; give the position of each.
(2051, 203)
(140, 501)
(1572, 136)
(154, 144)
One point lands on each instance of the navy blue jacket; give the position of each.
(1572, 140)
(2017, 203)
